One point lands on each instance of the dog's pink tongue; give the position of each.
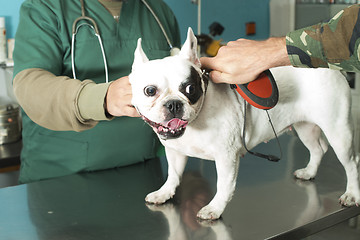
(176, 123)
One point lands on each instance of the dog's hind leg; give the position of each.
(176, 165)
(341, 139)
(311, 136)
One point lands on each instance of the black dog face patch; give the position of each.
(191, 88)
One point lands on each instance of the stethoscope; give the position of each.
(90, 22)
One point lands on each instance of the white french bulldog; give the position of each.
(195, 117)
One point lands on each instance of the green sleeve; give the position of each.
(333, 44)
(38, 71)
(38, 44)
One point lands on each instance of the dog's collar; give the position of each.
(205, 74)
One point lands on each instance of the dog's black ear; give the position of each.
(139, 56)
(189, 49)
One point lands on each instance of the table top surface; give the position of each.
(269, 203)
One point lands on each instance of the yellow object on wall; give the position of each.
(213, 48)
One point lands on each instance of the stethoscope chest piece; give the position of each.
(174, 51)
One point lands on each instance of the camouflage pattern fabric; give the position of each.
(333, 44)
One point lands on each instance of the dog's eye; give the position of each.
(150, 91)
(190, 89)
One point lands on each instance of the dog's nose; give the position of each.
(174, 107)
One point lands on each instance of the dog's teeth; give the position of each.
(166, 130)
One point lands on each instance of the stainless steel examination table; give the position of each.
(268, 203)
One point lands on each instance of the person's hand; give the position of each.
(118, 99)
(243, 60)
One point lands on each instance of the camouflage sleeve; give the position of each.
(333, 44)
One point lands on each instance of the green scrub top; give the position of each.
(43, 40)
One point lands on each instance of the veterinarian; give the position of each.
(80, 124)
(333, 44)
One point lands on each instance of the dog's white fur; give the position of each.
(316, 102)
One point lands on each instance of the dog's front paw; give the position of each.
(305, 173)
(209, 213)
(159, 197)
(349, 199)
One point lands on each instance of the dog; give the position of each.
(194, 117)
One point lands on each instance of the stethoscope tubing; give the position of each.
(75, 28)
(159, 23)
(73, 50)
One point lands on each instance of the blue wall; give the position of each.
(232, 14)
(10, 10)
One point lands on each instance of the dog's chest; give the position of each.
(192, 144)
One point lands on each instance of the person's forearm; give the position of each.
(332, 44)
(277, 54)
(91, 102)
(51, 101)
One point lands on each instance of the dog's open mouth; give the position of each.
(172, 129)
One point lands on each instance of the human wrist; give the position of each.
(107, 114)
(276, 52)
(91, 101)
